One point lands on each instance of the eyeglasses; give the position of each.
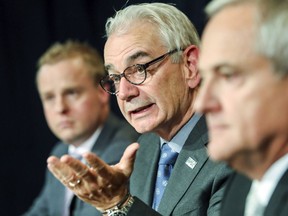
(135, 74)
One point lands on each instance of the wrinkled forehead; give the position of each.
(123, 49)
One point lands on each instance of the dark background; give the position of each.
(27, 29)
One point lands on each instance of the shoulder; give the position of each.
(119, 128)
(59, 149)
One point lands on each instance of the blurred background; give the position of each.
(27, 29)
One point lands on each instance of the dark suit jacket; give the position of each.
(115, 136)
(190, 191)
(238, 188)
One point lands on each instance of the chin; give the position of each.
(215, 157)
(142, 130)
(216, 152)
(142, 125)
(68, 139)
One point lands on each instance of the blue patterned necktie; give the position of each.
(165, 166)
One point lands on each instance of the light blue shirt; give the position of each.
(180, 138)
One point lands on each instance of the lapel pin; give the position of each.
(191, 163)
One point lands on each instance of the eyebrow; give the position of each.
(130, 59)
(136, 56)
(217, 67)
(223, 65)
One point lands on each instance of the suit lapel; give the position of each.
(150, 174)
(104, 137)
(145, 168)
(237, 188)
(190, 160)
(58, 196)
(278, 202)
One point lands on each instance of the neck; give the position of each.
(255, 164)
(174, 126)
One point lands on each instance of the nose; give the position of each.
(206, 101)
(127, 90)
(60, 105)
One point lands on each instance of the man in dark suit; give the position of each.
(244, 94)
(151, 56)
(77, 111)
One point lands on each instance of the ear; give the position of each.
(191, 55)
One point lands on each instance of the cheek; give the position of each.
(86, 115)
(228, 145)
(172, 98)
(251, 121)
(91, 102)
(229, 138)
(52, 121)
(122, 109)
(49, 116)
(89, 109)
(265, 120)
(169, 110)
(256, 112)
(121, 106)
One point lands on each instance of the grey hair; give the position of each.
(272, 38)
(175, 28)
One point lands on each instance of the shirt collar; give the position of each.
(87, 145)
(267, 185)
(178, 141)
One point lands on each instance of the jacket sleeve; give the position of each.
(139, 208)
(39, 206)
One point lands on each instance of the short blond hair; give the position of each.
(74, 49)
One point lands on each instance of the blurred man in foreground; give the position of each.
(244, 94)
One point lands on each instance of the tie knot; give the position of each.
(168, 156)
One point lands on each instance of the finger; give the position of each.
(127, 161)
(59, 169)
(98, 165)
(66, 169)
(79, 168)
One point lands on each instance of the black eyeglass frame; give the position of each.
(103, 81)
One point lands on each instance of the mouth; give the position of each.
(141, 109)
(217, 128)
(65, 124)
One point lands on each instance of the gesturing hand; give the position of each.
(97, 183)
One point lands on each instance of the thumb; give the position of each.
(126, 163)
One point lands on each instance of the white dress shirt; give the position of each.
(262, 190)
(75, 152)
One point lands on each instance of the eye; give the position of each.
(114, 78)
(227, 76)
(139, 69)
(47, 97)
(230, 76)
(228, 73)
(72, 92)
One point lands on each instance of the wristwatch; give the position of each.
(122, 208)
